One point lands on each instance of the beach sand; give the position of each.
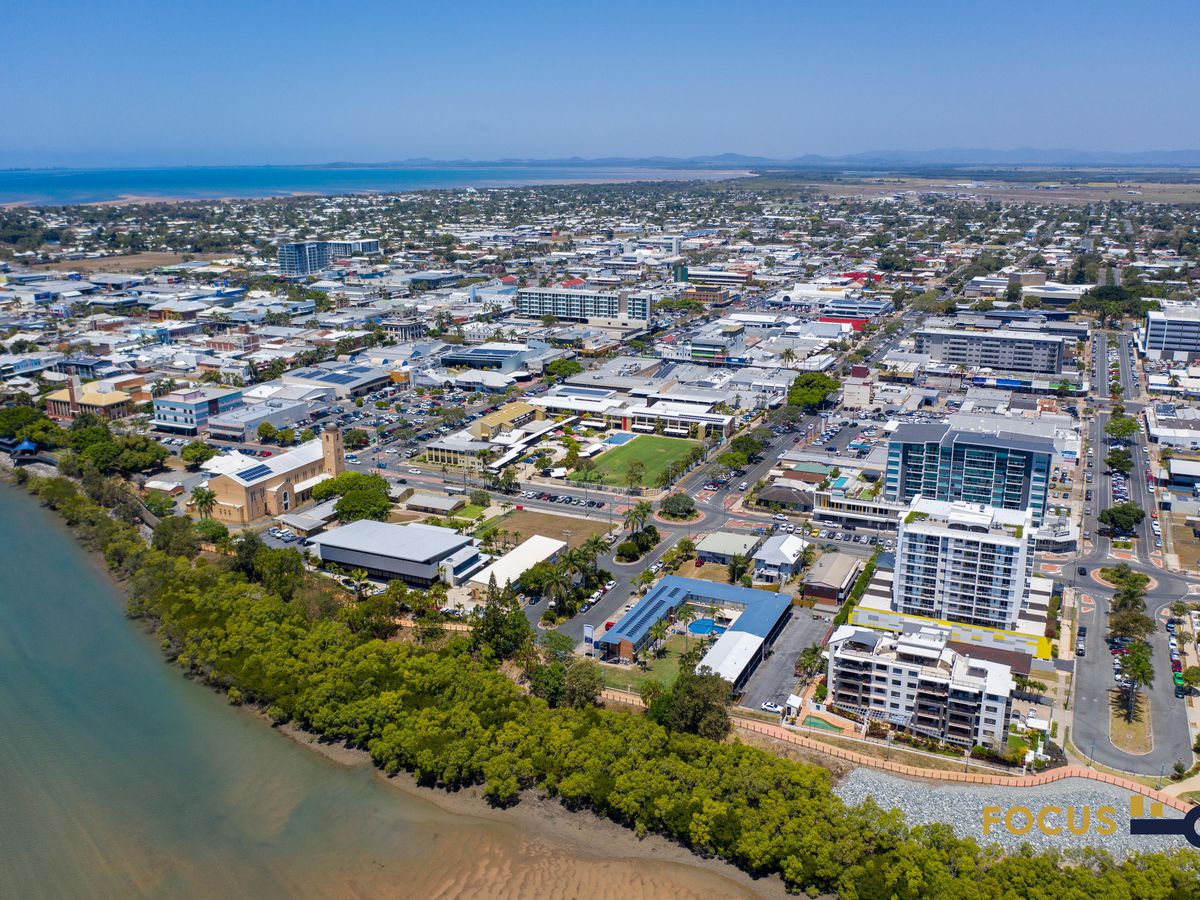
(537, 848)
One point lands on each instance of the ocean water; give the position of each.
(67, 186)
(120, 778)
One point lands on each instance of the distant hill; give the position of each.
(1021, 156)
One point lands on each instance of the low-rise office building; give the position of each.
(188, 411)
(242, 424)
(831, 577)
(722, 546)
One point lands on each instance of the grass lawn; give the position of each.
(655, 452)
(664, 669)
(710, 571)
(572, 529)
(470, 511)
(1132, 737)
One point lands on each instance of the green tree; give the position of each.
(196, 453)
(1119, 460)
(678, 506)
(267, 431)
(738, 566)
(500, 624)
(175, 536)
(362, 504)
(1121, 428)
(634, 473)
(810, 389)
(698, 703)
(658, 636)
(203, 501)
(160, 503)
(582, 684)
(1139, 670)
(1122, 518)
(637, 515)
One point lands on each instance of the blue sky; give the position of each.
(133, 83)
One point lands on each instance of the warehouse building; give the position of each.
(416, 554)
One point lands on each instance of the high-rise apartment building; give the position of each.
(299, 258)
(962, 562)
(1005, 469)
(1172, 334)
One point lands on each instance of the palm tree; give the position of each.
(685, 615)
(203, 500)
(593, 548)
(636, 517)
(574, 562)
(557, 585)
(658, 634)
(686, 547)
(359, 577)
(162, 387)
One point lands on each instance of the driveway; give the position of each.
(775, 676)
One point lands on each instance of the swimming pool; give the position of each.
(617, 439)
(705, 626)
(819, 723)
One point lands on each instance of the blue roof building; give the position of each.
(762, 611)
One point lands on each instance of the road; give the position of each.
(1093, 672)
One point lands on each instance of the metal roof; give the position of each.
(415, 543)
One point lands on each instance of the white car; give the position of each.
(771, 707)
(414, 471)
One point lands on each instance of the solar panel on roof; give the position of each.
(338, 379)
(254, 472)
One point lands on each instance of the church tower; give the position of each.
(333, 451)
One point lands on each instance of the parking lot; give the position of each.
(775, 676)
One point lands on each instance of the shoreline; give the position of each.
(538, 817)
(651, 176)
(535, 818)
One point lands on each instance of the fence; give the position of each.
(861, 759)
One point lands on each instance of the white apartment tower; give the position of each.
(963, 562)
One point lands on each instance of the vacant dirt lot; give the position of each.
(135, 262)
(550, 525)
(1048, 191)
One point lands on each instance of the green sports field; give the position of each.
(655, 452)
